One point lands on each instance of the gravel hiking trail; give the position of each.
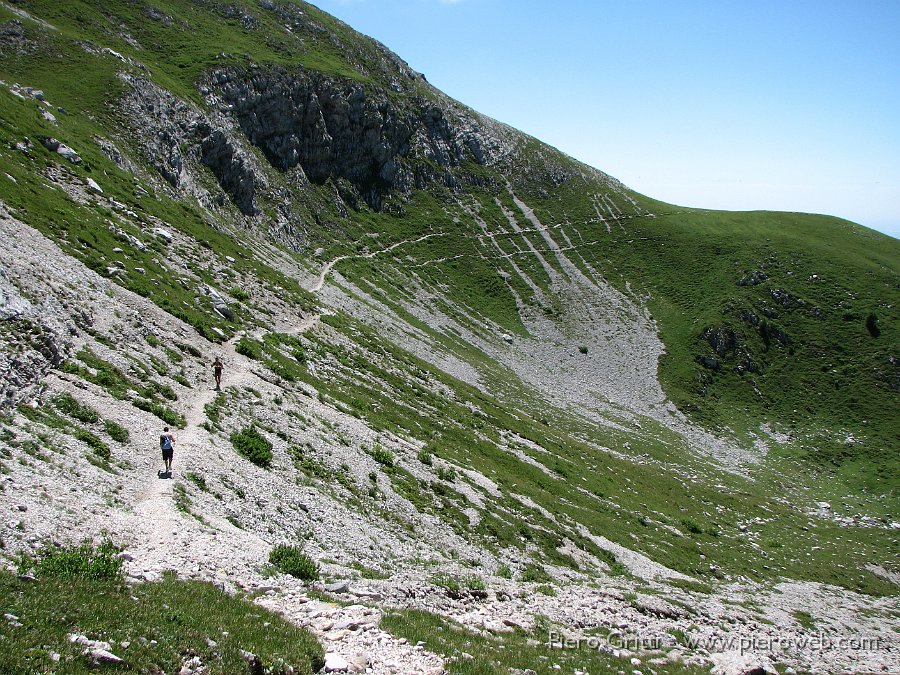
(326, 268)
(161, 533)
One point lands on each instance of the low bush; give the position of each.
(100, 448)
(445, 473)
(116, 431)
(382, 456)
(253, 445)
(534, 573)
(252, 349)
(292, 560)
(81, 562)
(69, 405)
(213, 409)
(197, 480)
(447, 582)
(189, 349)
(162, 412)
(691, 526)
(473, 582)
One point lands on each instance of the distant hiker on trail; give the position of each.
(167, 445)
(217, 372)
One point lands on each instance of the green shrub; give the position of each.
(182, 499)
(382, 456)
(546, 589)
(292, 560)
(239, 294)
(100, 448)
(252, 349)
(152, 340)
(425, 457)
(534, 573)
(113, 380)
(69, 405)
(445, 473)
(162, 412)
(82, 562)
(474, 583)
(189, 349)
(448, 583)
(152, 388)
(253, 445)
(583, 349)
(197, 480)
(160, 366)
(174, 356)
(504, 572)
(213, 409)
(805, 619)
(691, 526)
(116, 431)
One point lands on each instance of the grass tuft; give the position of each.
(253, 445)
(293, 561)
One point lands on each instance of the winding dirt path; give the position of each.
(320, 280)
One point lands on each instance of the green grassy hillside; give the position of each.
(776, 319)
(781, 318)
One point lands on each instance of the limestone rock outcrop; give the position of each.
(338, 129)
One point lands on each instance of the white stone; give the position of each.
(335, 663)
(163, 234)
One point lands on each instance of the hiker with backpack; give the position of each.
(167, 445)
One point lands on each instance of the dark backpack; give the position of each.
(165, 442)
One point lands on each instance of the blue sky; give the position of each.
(787, 105)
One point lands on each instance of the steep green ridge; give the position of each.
(816, 338)
(811, 346)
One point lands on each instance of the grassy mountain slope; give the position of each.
(457, 328)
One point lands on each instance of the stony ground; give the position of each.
(218, 516)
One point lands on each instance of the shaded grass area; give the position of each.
(163, 624)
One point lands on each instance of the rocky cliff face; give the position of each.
(342, 129)
(173, 133)
(311, 127)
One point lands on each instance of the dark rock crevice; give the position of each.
(231, 170)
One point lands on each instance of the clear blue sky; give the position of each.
(772, 104)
